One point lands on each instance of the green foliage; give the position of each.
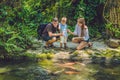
(80, 10)
(113, 30)
(70, 36)
(12, 40)
(16, 27)
(94, 18)
(94, 33)
(20, 19)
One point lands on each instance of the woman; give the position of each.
(81, 30)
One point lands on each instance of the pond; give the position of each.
(47, 70)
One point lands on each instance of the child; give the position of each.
(81, 30)
(63, 29)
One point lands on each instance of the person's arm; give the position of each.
(75, 31)
(59, 26)
(86, 35)
(68, 30)
(54, 34)
(58, 29)
(50, 32)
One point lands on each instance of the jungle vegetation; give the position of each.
(19, 20)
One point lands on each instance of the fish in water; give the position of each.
(71, 72)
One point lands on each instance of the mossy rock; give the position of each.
(75, 53)
(50, 55)
(41, 56)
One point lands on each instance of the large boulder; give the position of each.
(113, 43)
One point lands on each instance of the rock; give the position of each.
(79, 55)
(62, 56)
(113, 43)
(99, 45)
(89, 51)
(36, 45)
(69, 44)
(98, 60)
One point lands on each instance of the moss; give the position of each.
(3, 70)
(75, 53)
(50, 55)
(41, 56)
(28, 56)
(107, 53)
(46, 63)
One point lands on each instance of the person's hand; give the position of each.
(69, 30)
(61, 34)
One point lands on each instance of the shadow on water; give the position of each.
(107, 69)
(108, 72)
(23, 71)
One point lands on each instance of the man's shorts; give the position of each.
(47, 38)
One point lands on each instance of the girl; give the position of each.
(81, 30)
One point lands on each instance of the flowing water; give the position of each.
(47, 70)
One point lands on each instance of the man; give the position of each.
(50, 34)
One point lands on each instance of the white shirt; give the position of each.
(77, 32)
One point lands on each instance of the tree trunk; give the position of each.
(112, 14)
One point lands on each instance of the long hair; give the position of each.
(82, 21)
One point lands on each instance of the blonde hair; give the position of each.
(81, 20)
(64, 19)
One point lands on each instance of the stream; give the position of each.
(61, 69)
(47, 70)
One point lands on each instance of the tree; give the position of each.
(112, 16)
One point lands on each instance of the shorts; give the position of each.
(87, 40)
(47, 38)
(63, 39)
(78, 39)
